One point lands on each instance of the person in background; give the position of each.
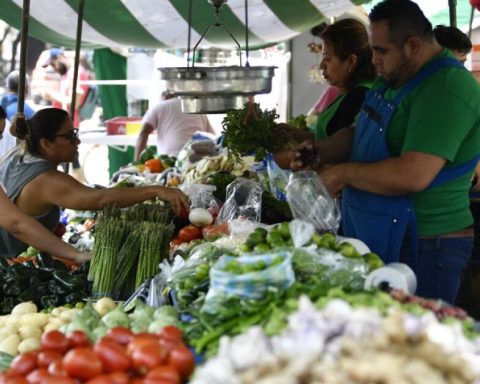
(9, 101)
(347, 65)
(63, 98)
(330, 93)
(453, 39)
(7, 141)
(173, 127)
(404, 173)
(31, 179)
(460, 45)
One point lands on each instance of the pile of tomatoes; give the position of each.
(120, 357)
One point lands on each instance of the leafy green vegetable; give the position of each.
(299, 121)
(251, 130)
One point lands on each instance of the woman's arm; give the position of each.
(57, 188)
(30, 231)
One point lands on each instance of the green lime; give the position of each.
(373, 260)
(274, 238)
(245, 248)
(348, 250)
(284, 229)
(262, 248)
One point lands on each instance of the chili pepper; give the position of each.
(7, 305)
(55, 288)
(11, 288)
(49, 301)
(44, 260)
(59, 266)
(4, 264)
(73, 298)
(72, 283)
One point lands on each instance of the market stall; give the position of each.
(251, 285)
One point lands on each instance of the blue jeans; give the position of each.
(439, 265)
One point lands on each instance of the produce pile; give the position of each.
(344, 345)
(129, 245)
(41, 279)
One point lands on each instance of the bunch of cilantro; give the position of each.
(251, 131)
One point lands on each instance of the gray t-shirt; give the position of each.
(17, 169)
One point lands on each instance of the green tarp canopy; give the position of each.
(164, 23)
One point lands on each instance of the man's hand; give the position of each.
(333, 178)
(305, 156)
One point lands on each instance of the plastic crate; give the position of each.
(123, 125)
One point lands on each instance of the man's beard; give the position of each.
(62, 69)
(398, 77)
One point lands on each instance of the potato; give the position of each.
(10, 345)
(7, 330)
(57, 311)
(29, 344)
(23, 308)
(29, 331)
(13, 320)
(55, 321)
(51, 327)
(35, 319)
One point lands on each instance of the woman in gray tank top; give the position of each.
(31, 179)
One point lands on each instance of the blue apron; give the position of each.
(383, 221)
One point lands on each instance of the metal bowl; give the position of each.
(209, 81)
(212, 104)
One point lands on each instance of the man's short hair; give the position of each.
(405, 19)
(13, 79)
(3, 114)
(53, 55)
(452, 38)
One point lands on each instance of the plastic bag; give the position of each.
(310, 201)
(244, 201)
(278, 178)
(201, 196)
(277, 272)
(301, 232)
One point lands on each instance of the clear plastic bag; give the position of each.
(278, 178)
(201, 196)
(244, 201)
(310, 201)
(277, 273)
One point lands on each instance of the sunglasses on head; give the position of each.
(72, 135)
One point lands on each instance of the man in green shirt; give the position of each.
(411, 153)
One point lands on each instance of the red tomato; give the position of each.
(189, 233)
(82, 362)
(58, 380)
(60, 230)
(119, 377)
(148, 357)
(137, 380)
(112, 355)
(6, 378)
(141, 341)
(45, 358)
(169, 344)
(79, 339)
(54, 341)
(56, 368)
(121, 335)
(38, 376)
(23, 364)
(163, 372)
(182, 360)
(102, 379)
(213, 231)
(171, 332)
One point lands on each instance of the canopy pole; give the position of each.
(452, 6)
(471, 22)
(23, 56)
(78, 43)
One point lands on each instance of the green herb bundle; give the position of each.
(252, 131)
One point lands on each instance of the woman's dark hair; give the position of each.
(405, 19)
(3, 114)
(44, 124)
(452, 38)
(350, 37)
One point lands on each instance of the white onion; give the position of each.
(200, 217)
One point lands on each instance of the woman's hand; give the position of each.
(177, 199)
(81, 257)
